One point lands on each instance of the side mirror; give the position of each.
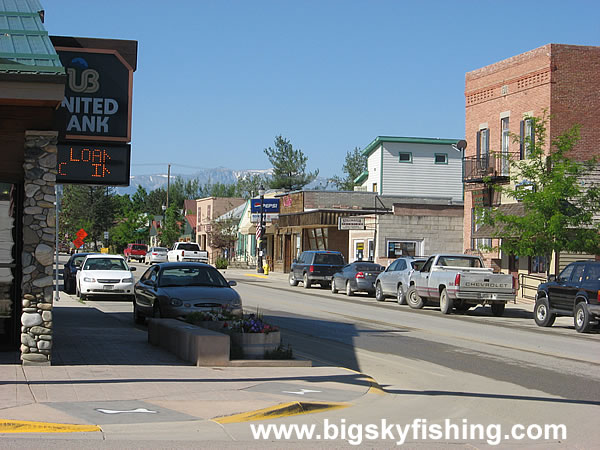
(232, 283)
(552, 278)
(133, 269)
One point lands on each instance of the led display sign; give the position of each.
(93, 163)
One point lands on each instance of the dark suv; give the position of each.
(315, 266)
(574, 293)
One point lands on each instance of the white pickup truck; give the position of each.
(460, 282)
(187, 252)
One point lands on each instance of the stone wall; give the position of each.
(38, 246)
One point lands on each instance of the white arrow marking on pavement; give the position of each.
(300, 392)
(138, 410)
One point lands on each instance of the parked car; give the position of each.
(176, 289)
(393, 281)
(574, 293)
(315, 266)
(135, 251)
(358, 276)
(103, 274)
(187, 251)
(70, 271)
(156, 255)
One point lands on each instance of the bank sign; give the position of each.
(97, 101)
(270, 205)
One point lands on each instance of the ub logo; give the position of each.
(88, 81)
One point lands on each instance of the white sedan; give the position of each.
(102, 274)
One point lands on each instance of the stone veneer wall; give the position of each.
(38, 246)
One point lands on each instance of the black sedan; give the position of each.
(356, 276)
(174, 290)
(70, 271)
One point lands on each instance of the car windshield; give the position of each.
(138, 247)
(159, 250)
(188, 247)
(105, 264)
(329, 258)
(417, 265)
(459, 261)
(191, 276)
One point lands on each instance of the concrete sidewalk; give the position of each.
(105, 373)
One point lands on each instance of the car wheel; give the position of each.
(445, 302)
(137, 317)
(400, 297)
(306, 281)
(541, 313)
(379, 293)
(349, 291)
(291, 280)
(498, 309)
(581, 318)
(325, 284)
(413, 299)
(333, 288)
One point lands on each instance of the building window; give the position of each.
(478, 244)
(405, 157)
(441, 158)
(483, 148)
(538, 264)
(527, 138)
(208, 211)
(504, 145)
(375, 187)
(317, 238)
(395, 249)
(280, 247)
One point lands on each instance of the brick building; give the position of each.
(561, 80)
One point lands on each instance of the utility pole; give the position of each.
(168, 184)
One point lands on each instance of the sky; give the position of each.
(217, 81)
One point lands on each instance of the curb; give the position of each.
(374, 388)
(281, 410)
(24, 426)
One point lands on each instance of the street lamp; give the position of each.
(259, 267)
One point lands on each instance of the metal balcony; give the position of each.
(493, 168)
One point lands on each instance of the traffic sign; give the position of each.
(81, 234)
(78, 242)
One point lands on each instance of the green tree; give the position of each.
(558, 208)
(247, 186)
(289, 166)
(173, 226)
(223, 234)
(354, 165)
(139, 200)
(132, 227)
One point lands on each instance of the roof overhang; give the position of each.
(405, 140)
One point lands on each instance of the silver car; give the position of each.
(156, 255)
(393, 282)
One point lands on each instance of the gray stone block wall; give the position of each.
(38, 246)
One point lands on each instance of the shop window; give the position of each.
(478, 244)
(317, 238)
(395, 249)
(538, 264)
(527, 140)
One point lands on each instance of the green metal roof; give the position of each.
(406, 140)
(362, 177)
(24, 43)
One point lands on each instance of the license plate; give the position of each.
(489, 296)
(108, 287)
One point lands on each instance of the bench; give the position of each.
(197, 345)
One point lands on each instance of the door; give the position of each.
(557, 291)
(287, 252)
(422, 278)
(11, 246)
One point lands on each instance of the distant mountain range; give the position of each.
(204, 176)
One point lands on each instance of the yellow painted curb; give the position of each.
(257, 276)
(24, 426)
(375, 388)
(282, 410)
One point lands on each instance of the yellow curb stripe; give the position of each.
(281, 410)
(24, 426)
(375, 388)
(257, 276)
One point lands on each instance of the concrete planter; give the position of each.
(254, 345)
(214, 325)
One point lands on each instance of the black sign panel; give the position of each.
(95, 163)
(97, 102)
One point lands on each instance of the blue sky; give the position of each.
(217, 80)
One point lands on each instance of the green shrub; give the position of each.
(221, 263)
(280, 353)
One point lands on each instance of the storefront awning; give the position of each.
(490, 231)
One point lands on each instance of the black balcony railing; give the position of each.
(494, 167)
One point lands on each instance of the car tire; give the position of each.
(498, 309)
(379, 293)
(333, 288)
(305, 281)
(400, 297)
(292, 280)
(446, 302)
(325, 285)
(581, 318)
(413, 299)
(541, 313)
(349, 291)
(137, 317)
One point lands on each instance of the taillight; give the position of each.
(311, 268)
(457, 280)
(154, 253)
(360, 275)
(182, 252)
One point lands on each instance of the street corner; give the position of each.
(25, 426)
(373, 386)
(281, 410)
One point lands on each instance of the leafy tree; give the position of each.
(289, 166)
(558, 208)
(139, 199)
(155, 201)
(247, 186)
(223, 234)
(133, 227)
(354, 165)
(173, 226)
